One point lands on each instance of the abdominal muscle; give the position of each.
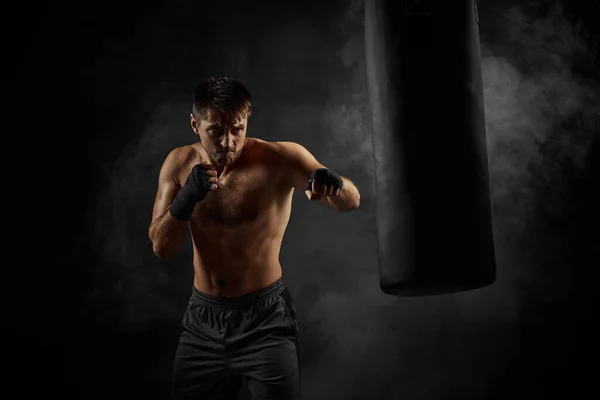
(230, 262)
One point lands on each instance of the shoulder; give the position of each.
(290, 147)
(178, 159)
(293, 157)
(296, 155)
(281, 150)
(289, 155)
(180, 156)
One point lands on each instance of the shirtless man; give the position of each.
(235, 195)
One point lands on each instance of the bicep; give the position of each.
(300, 163)
(168, 187)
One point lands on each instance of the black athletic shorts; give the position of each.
(229, 342)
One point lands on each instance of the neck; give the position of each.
(221, 169)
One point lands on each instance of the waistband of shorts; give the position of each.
(274, 289)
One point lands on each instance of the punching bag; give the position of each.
(433, 209)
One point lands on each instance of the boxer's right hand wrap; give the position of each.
(195, 189)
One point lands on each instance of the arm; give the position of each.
(347, 200)
(166, 232)
(301, 163)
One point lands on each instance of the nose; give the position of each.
(227, 142)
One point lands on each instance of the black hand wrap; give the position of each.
(195, 189)
(323, 176)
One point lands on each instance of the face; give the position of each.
(222, 138)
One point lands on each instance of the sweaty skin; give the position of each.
(237, 230)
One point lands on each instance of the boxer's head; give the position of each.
(219, 117)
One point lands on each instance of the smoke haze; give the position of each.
(306, 72)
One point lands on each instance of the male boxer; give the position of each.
(234, 193)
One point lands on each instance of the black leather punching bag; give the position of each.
(434, 223)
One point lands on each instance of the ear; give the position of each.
(194, 124)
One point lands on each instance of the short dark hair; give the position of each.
(224, 94)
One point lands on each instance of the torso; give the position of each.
(238, 229)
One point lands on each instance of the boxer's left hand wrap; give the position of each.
(326, 183)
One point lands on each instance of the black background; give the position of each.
(100, 315)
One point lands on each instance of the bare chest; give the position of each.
(242, 197)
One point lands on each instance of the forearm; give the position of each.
(167, 235)
(348, 199)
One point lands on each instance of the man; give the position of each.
(235, 195)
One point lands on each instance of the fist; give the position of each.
(201, 180)
(323, 183)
